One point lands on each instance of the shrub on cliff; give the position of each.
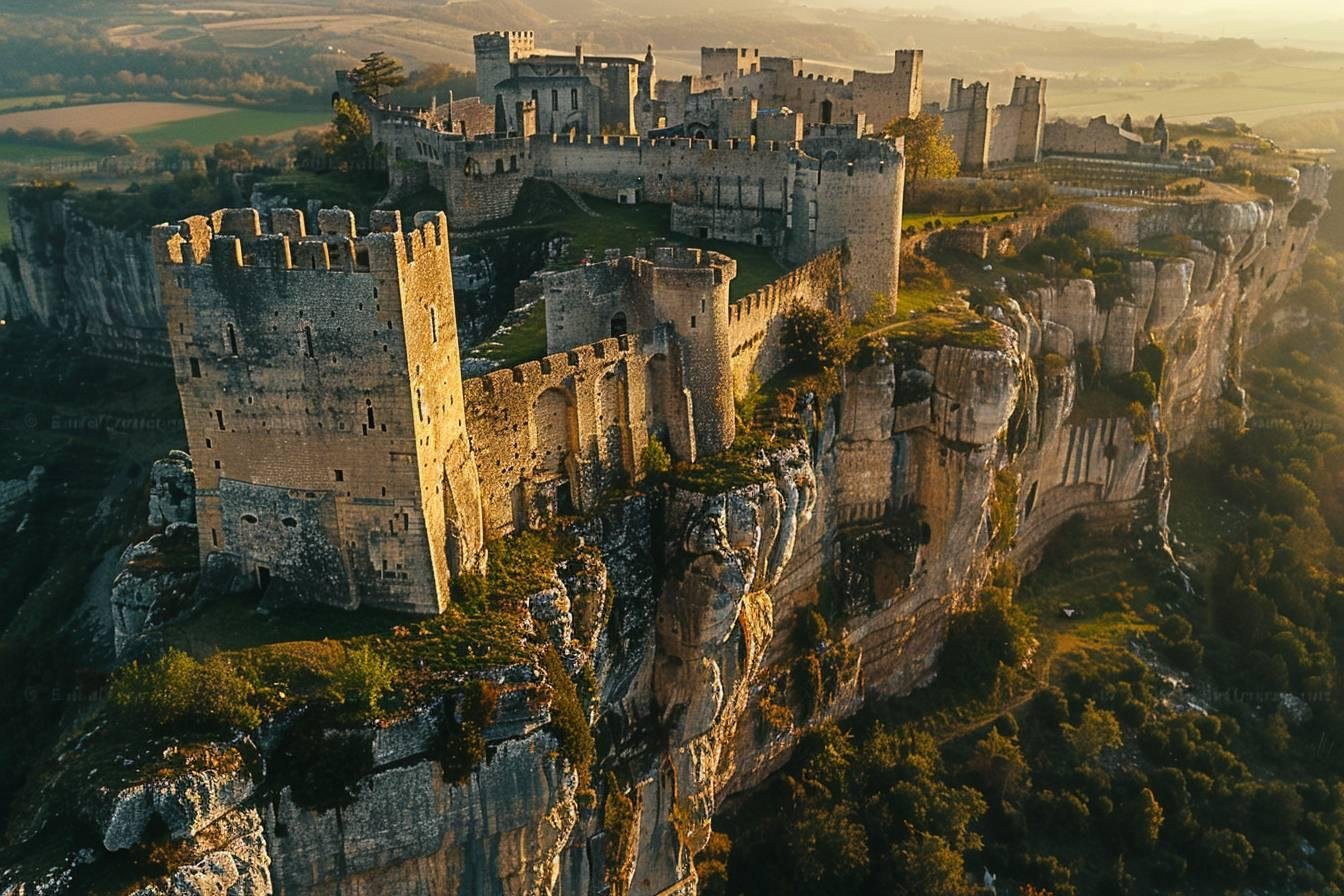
(568, 721)
(1137, 385)
(814, 339)
(176, 693)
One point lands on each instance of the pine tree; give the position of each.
(377, 73)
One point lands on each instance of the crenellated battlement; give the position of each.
(234, 238)
(534, 374)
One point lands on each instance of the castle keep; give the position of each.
(341, 458)
(321, 388)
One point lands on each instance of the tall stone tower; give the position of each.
(689, 289)
(1029, 97)
(320, 384)
(849, 192)
(495, 52)
(967, 115)
(910, 81)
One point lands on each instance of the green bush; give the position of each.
(568, 721)
(618, 823)
(1137, 385)
(361, 681)
(656, 459)
(176, 693)
(814, 338)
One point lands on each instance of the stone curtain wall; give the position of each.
(755, 322)
(576, 420)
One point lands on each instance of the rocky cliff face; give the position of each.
(81, 278)
(890, 512)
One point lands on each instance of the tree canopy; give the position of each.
(928, 151)
(376, 74)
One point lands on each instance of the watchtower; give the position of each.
(495, 52)
(848, 192)
(320, 382)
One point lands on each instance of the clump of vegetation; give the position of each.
(656, 459)
(740, 466)
(814, 339)
(1003, 510)
(461, 735)
(521, 565)
(323, 766)
(618, 823)
(568, 720)
(179, 693)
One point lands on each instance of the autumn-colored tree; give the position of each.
(928, 151)
(376, 74)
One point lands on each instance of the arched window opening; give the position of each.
(619, 327)
(231, 336)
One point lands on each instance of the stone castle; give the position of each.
(340, 456)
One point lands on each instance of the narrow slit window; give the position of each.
(232, 337)
(219, 418)
(196, 368)
(308, 342)
(433, 324)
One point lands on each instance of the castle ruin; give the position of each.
(341, 458)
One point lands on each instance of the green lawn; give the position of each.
(211, 129)
(628, 227)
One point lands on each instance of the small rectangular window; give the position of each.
(196, 368)
(214, 537)
(573, 98)
(555, 101)
(219, 418)
(692, 321)
(340, 475)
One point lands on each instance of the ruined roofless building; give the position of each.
(321, 389)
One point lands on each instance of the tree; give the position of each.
(998, 762)
(1096, 730)
(376, 74)
(814, 338)
(928, 151)
(345, 141)
(931, 867)
(1144, 820)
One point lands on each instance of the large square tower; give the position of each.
(321, 388)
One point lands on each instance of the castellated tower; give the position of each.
(689, 288)
(320, 384)
(849, 192)
(495, 53)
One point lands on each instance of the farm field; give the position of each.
(151, 125)
(229, 124)
(111, 118)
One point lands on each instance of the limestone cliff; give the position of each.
(81, 278)
(944, 452)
